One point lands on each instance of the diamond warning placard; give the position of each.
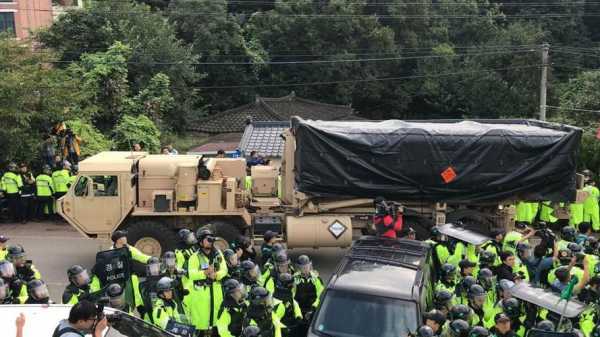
(448, 175)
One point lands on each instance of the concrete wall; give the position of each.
(29, 15)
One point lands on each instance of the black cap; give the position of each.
(118, 234)
(3, 238)
(466, 264)
(436, 316)
(501, 317)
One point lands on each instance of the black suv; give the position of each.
(380, 289)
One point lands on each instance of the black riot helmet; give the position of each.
(169, 260)
(163, 285)
(116, 297)
(153, 266)
(448, 272)
(7, 270)
(487, 258)
(282, 261)
(479, 331)
(250, 270)
(234, 290)
(568, 233)
(467, 282)
(230, 285)
(425, 331)
(486, 278)
(260, 298)
(545, 325)
(251, 331)
(187, 237)
(15, 252)
(476, 290)
(459, 328)
(442, 299)
(204, 233)
(78, 276)
(38, 290)
(511, 307)
(460, 311)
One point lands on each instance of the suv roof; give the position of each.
(382, 267)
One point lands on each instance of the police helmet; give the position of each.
(227, 253)
(435, 231)
(436, 316)
(476, 290)
(281, 258)
(118, 234)
(460, 311)
(467, 282)
(523, 246)
(7, 269)
(505, 284)
(459, 328)
(511, 307)
(114, 290)
(590, 245)
(230, 286)
(568, 233)
(479, 331)
(303, 260)
(487, 258)
(485, 277)
(277, 247)
(545, 325)
(442, 297)
(187, 236)
(247, 265)
(47, 169)
(251, 331)
(204, 233)
(564, 256)
(259, 296)
(425, 331)
(153, 266)
(164, 284)
(78, 275)
(448, 270)
(285, 280)
(575, 248)
(37, 289)
(75, 270)
(15, 252)
(562, 273)
(12, 166)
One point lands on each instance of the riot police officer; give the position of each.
(233, 264)
(232, 313)
(285, 306)
(165, 308)
(487, 280)
(17, 289)
(448, 278)
(443, 301)
(462, 289)
(461, 311)
(309, 287)
(78, 287)
(119, 239)
(512, 309)
(495, 245)
(545, 325)
(260, 313)
(282, 265)
(145, 291)
(25, 269)
(477, 299)
(37, 291)
(458, 328)
(435, 319)
(116, 298)
(502, 327)
(250, 275)
(487, 259)
(425, 331)
(188, 245)
(479, 331)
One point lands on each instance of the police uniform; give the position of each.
(288, 313)
(590, 207)
(12, 184)
(44, 192)
(308, 291)
(230, 318)
(74, 294)
(165, 310)
(206, 295)
(60, 181)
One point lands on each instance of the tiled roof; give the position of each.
(264, 138)
(272, 109)
(214, 147)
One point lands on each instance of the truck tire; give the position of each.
(151, 237)
(229, 231)
(473, 220)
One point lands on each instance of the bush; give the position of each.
(92, 141)
(137, 129)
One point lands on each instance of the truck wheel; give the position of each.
(473, 220)
(223, 229)
(152, 238)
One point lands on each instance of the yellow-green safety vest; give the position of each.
(44, 186)
(61, 179)
(11, 183)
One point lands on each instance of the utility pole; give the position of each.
(544, 80)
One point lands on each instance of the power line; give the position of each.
(375, 79)
(313, 61)
(357, 16)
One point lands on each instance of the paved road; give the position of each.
(54, 247)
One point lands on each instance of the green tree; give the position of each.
(155, 101)
(33, 97)
(154, 48)
(92, 141)
(136, 129)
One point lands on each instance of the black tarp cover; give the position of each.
(441, 161)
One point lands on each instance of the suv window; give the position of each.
(81, 188)
(379, 316)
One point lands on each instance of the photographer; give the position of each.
(387, 218)
(84, 318)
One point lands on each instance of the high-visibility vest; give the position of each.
(44, 185)
(61, 179)
(591, 211)
(11, 183)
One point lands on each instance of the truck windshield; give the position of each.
(345, 314)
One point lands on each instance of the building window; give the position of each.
(7, 22)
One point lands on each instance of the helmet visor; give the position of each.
(239, 293)
(233, 260)
(7, 270)
(3, 291)
(117, 301)
(82, 279)
(190, 239)
(170, 262)
(153, 269)
(41, 292)
(18, 259)
(306, 269)
(254, 273)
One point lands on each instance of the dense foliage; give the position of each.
(175, 61)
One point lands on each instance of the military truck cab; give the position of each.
(152, 196)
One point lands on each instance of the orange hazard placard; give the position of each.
(448, 175)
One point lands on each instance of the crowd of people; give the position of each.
(236, 292)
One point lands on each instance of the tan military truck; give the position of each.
(322, 195)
